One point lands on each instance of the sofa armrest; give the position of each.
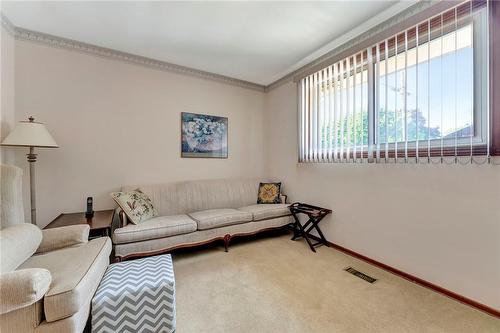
(123, 218)
(22, 288)
(57, 238)
(284, 198)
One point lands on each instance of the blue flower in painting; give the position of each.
(204, 134)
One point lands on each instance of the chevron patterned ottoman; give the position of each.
(136, 296)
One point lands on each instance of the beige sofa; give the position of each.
(197, 212)
(47, 277)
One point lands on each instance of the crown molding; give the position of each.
(65, 43)
(387, 24)
(7, 24)
(69, 44)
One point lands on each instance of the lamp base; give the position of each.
(32, 159)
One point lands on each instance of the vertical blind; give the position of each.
(418, 96)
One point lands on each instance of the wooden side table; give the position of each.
(100, 224)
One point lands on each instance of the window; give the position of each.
(418, 95)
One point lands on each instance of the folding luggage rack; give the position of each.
(315, 214)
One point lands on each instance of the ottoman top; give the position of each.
(135, 275)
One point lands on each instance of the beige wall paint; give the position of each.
(118, 123)
(7, 60)
(440, 223)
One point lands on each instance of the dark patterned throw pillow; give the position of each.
(269, 193)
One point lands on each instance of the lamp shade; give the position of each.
(30, 134)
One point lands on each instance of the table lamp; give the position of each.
(30, 134)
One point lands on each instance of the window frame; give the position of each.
(447, 147)
(483, 130)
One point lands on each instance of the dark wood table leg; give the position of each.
(296, 229)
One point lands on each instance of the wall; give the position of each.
(118, 123)
(7, 60)
(440, 223)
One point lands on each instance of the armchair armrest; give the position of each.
(22, 288)
(57, 238)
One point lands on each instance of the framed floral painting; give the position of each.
(203, 135)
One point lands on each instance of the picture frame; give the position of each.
(203, 136)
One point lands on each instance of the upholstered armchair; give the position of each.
(47, 277)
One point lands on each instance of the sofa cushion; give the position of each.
(157, 227)
(17, 243)
(193, 196)
(266, 211)
(215, 218)
(76, 273)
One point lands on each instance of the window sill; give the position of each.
(477, 150)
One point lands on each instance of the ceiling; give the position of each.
(259, 42)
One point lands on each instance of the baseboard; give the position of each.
(441, 290)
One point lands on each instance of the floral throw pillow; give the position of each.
(269, 193)
(136, 205)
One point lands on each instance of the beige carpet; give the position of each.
(276, 285)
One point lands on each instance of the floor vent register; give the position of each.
(360, 275)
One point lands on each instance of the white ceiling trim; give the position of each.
(8, 26)
(399, 14)
(65, 43)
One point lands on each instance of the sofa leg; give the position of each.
(227, 239)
